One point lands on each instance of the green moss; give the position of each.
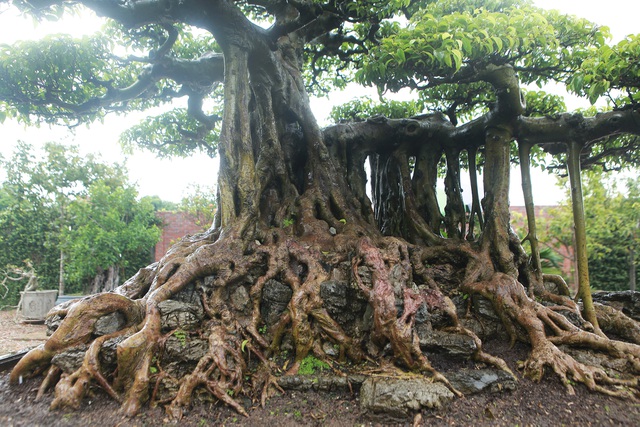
(310, 365)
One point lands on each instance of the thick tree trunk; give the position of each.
(105, 280)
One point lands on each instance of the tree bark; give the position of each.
(584, 286)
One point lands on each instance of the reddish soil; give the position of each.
(531, 404)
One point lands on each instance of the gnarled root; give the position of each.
(76, 328)
(614, 321)
(220, 370)
(546, 329)
(569, 370)
(72, 388)
(398, 331)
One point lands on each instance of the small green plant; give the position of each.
(153, 370)
(202, 422)
(342, 220)
(310, 365)
(262, 329)
(297, 413)
(181, 336)
(287, 222)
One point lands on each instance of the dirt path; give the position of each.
(16, 336)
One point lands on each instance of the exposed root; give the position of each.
(546, 329)
(77, 328)
(220, 370)
(398, 277)
(479, 355)
(570, 371)
(398, 331)
(614, 321)
(53, 375)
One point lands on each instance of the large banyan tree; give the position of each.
(341, 216)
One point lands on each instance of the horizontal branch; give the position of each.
(202, 72)
(575, 127)
(379, 134)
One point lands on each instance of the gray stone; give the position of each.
(275, 298)
(332, 231)
(606, 362)
(399, 397)
(330, 349)
(109, 324)
(177, 314)
(188, 295)
(240, 299)
(344, 303)
(334, 294)
(365, 275)
(626, 301)
(189, 349)
(484, 307)
(70, 360)
(471, 381)
(422, 315)
(484, 329)
(108, 355)
(440, 341)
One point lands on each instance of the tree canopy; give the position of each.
(62, 204)
(443, 49)
(347, 211)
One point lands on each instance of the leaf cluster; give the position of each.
(200, 204)
(64, 202)
(613, 227)
(60, 80)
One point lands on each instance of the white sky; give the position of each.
(169, 178)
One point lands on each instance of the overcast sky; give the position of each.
(169, 178)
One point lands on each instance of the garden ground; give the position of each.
(531, 404)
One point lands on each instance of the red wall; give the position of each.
(567, 253)
(175, 225)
